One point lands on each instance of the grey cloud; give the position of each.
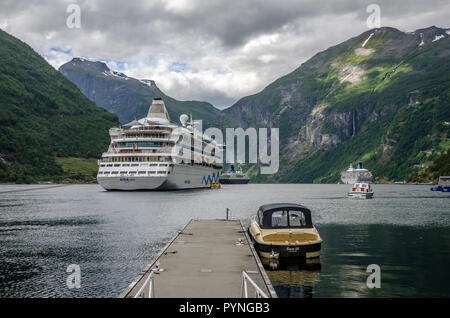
(208, 36)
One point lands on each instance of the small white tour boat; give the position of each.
(361, 190)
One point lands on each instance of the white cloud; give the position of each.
(267, 58)
(179, 6)
(261, 41)
(57, 58)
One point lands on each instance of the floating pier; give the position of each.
(206, 259)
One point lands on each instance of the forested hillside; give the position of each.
(43, 116)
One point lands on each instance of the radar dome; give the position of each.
(183, 119)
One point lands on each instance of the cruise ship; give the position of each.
(360, 174)
(234, 177)
(150, 154)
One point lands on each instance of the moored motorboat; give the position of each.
(361, 191)
(284, 230)
(443, 184)
(437, 188)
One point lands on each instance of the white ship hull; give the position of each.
(181, 177)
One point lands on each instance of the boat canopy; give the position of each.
(284, 215)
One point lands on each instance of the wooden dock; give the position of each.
(206, 259)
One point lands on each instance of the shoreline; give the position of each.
(83, 182)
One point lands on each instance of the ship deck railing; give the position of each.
(130, 150)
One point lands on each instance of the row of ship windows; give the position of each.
(133, 172)
(146, 136)
(133, 165)
(192, 163)
(135, 159)
(140, 144)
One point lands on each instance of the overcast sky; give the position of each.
(217, 51)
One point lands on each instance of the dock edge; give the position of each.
(264, 275)
(145, 270)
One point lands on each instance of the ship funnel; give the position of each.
(158, 109)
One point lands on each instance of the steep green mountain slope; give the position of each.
(127, 97)
(43, 116)
(382, 97)
(439, 167)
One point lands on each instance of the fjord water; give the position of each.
(405, 229)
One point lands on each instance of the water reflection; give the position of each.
(293, 278)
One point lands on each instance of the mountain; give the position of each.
(43, 117)
(381, 97)
(125, 96)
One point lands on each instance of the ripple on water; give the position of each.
(113, 235)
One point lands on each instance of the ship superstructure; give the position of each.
(234, 177)
(360, 174)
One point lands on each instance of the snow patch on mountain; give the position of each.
(149, 83)
(367, 40)
(438, 37)
(421, 40)
(115, 74)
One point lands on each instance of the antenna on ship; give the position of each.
(191, 124)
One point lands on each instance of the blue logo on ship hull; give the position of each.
(127, 180)
(210, 179)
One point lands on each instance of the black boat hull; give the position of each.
(228, 181)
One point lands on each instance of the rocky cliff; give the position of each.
(381, 97)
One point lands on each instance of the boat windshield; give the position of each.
(297, 219)
(286, 219)
(279, 219)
